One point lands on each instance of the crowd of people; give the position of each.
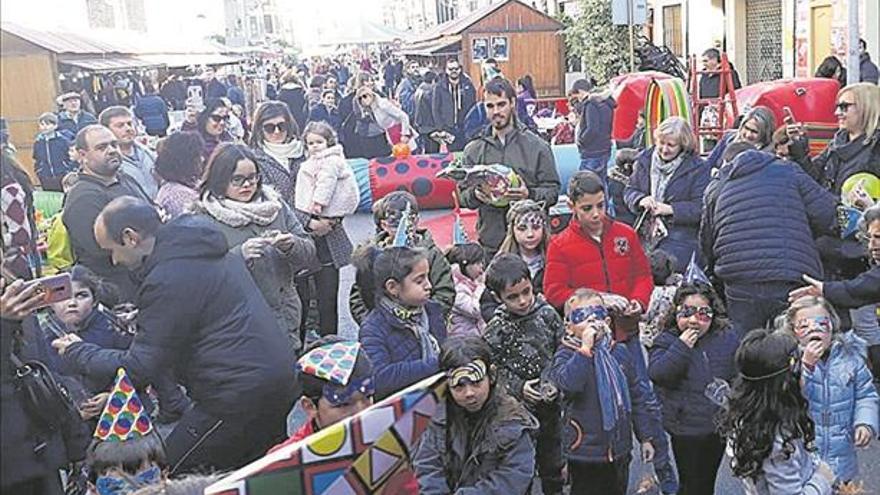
(700, 306)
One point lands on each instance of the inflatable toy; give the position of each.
(630, 92)
(665, 98)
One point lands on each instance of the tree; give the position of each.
(602, 46)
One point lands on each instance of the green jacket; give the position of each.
(530, 157)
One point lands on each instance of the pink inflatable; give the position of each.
(630, 91)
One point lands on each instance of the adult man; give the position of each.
(213, 87)
(137, 160)
(867, 69)
(100, 181)
(406, 90)
(710, 84)
(760, 218)
(594, 127)
(506, 142)
(73, 118)
(423, 118)
(201, 315)
(454, 95)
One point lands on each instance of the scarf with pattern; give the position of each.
(416, 320)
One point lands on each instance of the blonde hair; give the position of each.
(787, 322)
(866, 97)
(678, 128)
(582, 294)
(517, 210)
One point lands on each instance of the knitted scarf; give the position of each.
(261, 210)
(661, 172)
(416, 320)
(611, 384)
(284, 152)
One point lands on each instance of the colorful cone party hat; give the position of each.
(848, 219)
(693, 273)
(124, 416)
(403, 236)
(332, 362)
(459, 236)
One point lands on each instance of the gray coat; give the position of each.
(337, 239)
(789, 473)
(274, 272)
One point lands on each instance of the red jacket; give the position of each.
(618, 265)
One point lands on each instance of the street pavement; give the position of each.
(360, 227)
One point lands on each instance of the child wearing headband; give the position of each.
(602, 399)
(836, 382)
(690, 360)
(767, 424)
(481, 441)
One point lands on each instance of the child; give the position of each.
(690, 358)
(334, 388)
(767, 423)
(59, 254)
(601, 397)
(126, 453)
(523, 336)
(403, 332)
(666, 282)
(528, 235)
(467, 274)
(325, 184)
(481, 442)
(387, 214)
(51, 159)
(836, 383)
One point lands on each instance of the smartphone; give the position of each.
(789, 116)
(55, 288)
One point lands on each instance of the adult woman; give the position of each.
(213, 125)
(179, 164)
(373, 116)
(669, 181)
(756, 128)
(260, 227)
(277, 146)
(294, 96)
(19, 238)
(831, 68)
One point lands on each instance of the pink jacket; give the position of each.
(465, 318)
(326, 178)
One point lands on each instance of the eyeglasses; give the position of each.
(240, 180)
(269, 128)
(702, 312)
(217, 118)
(582, 314)
(843, 106)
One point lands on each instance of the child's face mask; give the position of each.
(122, 485)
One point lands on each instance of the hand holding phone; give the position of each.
(53, 289)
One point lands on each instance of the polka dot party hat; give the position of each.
(124, 416)
(332, 362)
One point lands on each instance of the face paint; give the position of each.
(584, 313)
(112, 485)
(812, 324)
(534, 220)
(339, 396)
(473, 372)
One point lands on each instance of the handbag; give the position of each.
(44, 397)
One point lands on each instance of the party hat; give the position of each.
(332, 362)
(459, 236)
(403, 236)
(694, 274)
(124, 417)
(848, 219)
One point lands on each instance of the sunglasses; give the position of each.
(702, 312)
(217, 118)
(240, 180)
(584, 313)
(269, 128)
(843, 106)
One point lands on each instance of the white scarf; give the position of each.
(261, 210)
(284, 152)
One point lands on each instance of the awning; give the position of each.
(447, 45)
(190, 59)
(107, 63)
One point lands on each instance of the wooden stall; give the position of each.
(522, 39)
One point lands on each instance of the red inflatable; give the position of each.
(630, 91)
(416, 174)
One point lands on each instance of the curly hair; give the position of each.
(765, 402)
(719, 320)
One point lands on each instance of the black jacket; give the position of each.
(424, 114)
(447, 116)
(594, 130)
(710, 84)
(855, 293)
(202, 314)
(295, 98)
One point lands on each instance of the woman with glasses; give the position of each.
(259, 227)
(213, 125)
(279, 150)
(690, 361)
(370, 118)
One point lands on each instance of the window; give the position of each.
(672, 29)
(267, 24)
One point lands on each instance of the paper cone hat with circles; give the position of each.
(124, 416)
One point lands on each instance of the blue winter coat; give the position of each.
(70, 125)
(51, 158)
(855, 293)
(153, 112)
(841, 396)
(760, 216)
(594, 129)
(395, 351)
(320, 113)
(681, 375)
(684, 193)
(583, 437)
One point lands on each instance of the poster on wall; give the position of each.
(480, 49)
(499, 48)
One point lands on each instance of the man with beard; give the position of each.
(100, 181)
(137, 160)
(406, 90)
(454, 96)
(505, 141)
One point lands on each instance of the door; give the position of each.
(820, 35)
(764, 41)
